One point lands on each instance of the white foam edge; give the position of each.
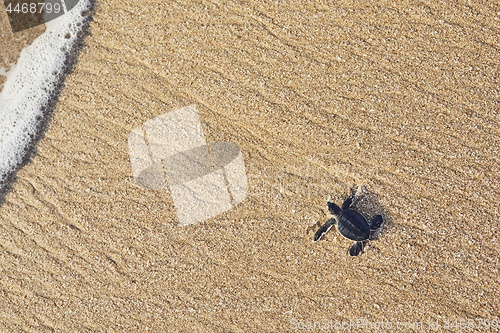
(31, 83)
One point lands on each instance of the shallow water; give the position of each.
(32, 86)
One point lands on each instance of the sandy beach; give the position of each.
(401, 97)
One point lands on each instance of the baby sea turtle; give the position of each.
(351, 224)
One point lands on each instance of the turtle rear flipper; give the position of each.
(356, 249)
(376, 222)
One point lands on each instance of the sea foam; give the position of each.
(32, 87)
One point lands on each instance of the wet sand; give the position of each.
(321, 97)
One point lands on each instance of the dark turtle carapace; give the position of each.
(351, 224)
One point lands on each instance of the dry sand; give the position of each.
(402, 97)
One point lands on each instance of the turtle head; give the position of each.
(333, 208)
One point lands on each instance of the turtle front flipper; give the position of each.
(348, 202)
(357, 192)
(356, 249)
(376, 222)
(324, 229)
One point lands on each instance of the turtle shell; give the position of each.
(353, 225)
